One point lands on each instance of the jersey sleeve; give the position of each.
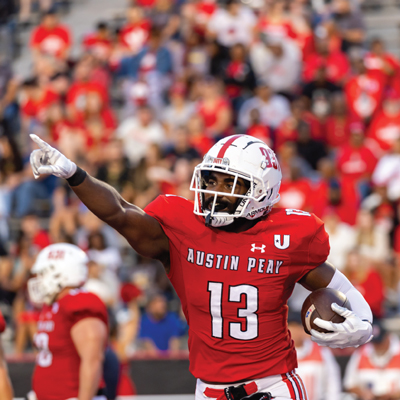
(318, 250)
(170, 212)
(314, 248)
(85, 305)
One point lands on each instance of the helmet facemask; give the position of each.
(256, 193)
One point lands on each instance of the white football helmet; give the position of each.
(56, 267)
(240, 156)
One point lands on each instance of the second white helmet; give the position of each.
(56, 267)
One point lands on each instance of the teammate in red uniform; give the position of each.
(72, 327)
(233, 262)
(6, 392)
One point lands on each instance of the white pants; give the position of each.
(287, 386)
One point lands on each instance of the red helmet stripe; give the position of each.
(223, 149)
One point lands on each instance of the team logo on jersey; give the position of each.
(259, 248)
(278, 241)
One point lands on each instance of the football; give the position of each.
(318, 305)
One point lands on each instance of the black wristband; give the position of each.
(77, 178)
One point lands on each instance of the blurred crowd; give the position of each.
(149, 94)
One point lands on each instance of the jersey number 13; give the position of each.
(249, 312)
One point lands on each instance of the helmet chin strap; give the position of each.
(218, 221)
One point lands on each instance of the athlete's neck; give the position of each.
(63, 293)
(240, 225)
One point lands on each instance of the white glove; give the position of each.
(48, 160)
(353, 332)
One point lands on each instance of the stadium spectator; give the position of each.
(362, 274)
(349, 23)
(277, 61)
(372, 239)
(342, 238)
(214, 108)
(138, 132)
(231, 24)
(364, 89)
(273, 108)
(317, 366)
(386, 172)
(373, 370)
(160, 329)
(384, 129)
(51, 38)
(334, 62)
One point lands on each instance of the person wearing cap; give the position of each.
(317, 366)
(373, 370)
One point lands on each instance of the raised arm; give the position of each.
(143, 232)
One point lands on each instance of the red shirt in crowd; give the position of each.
(384, 129)
(364, 94)
(35, 108)
(51, 41)
(337, 131)
(287, 130)
(387, 65)
(296, 194)
(134, 36)
(337, 66)
(210, 116)
(97, 45)
(373, 291)
(355, 163)
(76, 96)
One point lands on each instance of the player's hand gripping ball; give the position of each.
(319, 305)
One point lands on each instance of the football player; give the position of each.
(233, 259)
(72, 328)
(6, 391)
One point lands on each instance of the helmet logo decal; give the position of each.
(278, 241)
(56, 255)
(215, 160)
(270, 159)
(261, 248)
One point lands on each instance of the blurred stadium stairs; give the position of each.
(382, 18)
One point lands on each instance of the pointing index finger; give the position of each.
(41, 143)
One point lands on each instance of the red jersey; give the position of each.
(337, 130)
(364, 94)
(134, 36)
(100, 47)
(37, 108)
(385, 129)
(234, 287)
(51, 41)
(56, 374)
(337, 66)
(355, 163)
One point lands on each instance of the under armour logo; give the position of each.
(254, 248)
